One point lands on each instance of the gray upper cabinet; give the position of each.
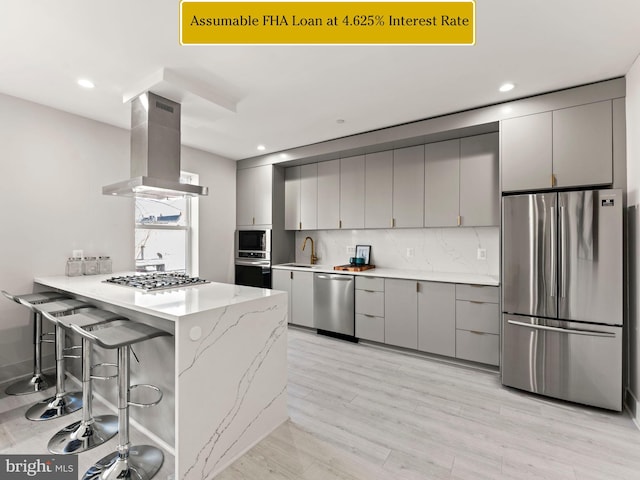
(378, 211)
(583, 145)
(254, 190)
(401, 313)
(408, 187)
(292, 198)
(565, 148)
(329, 195)
(527, 152)
(442, 184)
(309, 197)
(437, 318)
(301, 197)
(352, 192)
(479, 192)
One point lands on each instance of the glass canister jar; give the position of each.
(104, 265)
(74, 267)
(90, 266)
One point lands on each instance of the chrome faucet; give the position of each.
(314, 259)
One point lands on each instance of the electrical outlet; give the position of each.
(351, 250)
(482, 254)
(410, 252)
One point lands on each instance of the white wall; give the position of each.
(52, 168)
(434, 249)
(633, 217)
(217, 213)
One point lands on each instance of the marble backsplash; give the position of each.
(434, 249)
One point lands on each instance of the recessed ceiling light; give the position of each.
(340, 120)
(261, 147)
(506, 87)
(284, 156)
(83, 82)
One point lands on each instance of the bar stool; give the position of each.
(38, 381)
(62, 403)
(90, 431)
(142, 461)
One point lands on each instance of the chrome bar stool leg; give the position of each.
(62, 403)
(140, 462)
(38, 381)
(91, 431)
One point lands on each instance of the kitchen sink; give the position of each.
(300, 265)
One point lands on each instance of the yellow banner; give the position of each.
(422, 23)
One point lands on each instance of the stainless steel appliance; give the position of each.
(562, 295)
(156, 281)
(253, 258)
(333, 303)
(155, 152)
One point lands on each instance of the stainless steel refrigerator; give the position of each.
(562, 295)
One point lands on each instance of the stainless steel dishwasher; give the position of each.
(333, 303)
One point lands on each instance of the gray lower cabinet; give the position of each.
(369, 306)
(401, 313)
(299, 286)
(281, 280)
(477, 324)
(437, 318)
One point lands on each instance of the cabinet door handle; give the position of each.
(370, 291)
(459, 220)
(476, 302)
(253, 220)
(300, 224)
(418, 287)
(340, 224)
(291, 274)
(476, 333)
(393, 222)
(553, 180)
(370, 316)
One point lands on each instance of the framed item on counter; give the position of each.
(364, 251)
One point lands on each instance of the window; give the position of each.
(164, 237)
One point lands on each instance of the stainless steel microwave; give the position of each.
(253, 244)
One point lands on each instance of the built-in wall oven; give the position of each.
(253, 258)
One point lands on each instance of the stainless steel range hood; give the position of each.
(155, 152)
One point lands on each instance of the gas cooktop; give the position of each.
(156, 281)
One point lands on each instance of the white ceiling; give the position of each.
(288, 96)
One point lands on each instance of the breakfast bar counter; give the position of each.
(223, 371)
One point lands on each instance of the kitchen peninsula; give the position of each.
(223, 371)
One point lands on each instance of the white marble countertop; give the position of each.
(171, 304)
(407, 274)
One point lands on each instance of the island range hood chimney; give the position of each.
(155, 152)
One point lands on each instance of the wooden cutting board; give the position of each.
(353, 268)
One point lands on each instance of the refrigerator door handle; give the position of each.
(563, 254)
(592, 333)
(554, 246)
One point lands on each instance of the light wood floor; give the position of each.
(359, 412)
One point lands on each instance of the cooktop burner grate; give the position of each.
(156, 281)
